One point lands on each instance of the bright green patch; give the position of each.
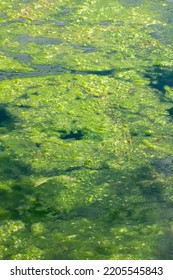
(86, 130)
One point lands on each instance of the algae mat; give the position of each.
(86, 129)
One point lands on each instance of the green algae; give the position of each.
(85, 123)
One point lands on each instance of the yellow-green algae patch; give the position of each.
(86, 130)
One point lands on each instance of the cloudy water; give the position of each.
(86, 129)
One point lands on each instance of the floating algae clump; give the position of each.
(86, 129)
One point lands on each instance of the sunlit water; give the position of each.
(86, 114)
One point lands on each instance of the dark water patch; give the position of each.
(60, 23)
(63, 14)
(3, 15)
(86, 49)
(16, 202)
(105, 22)
(12, 168)
(35, 93)
(164, 248)
(160, 76)
(66, 11)
(41, 22)
(19, 20)
(28, 1)
(42, 40)
(152, 191)
(52, 69)
(24, 106)
(165, 31)
(131, 3)
(106, 72)
(38, 40)
(53, 22)
(44, 70)
(164, 165)
(170, 111)
(4, 116)
(155, 35)
(111, 52)
(23, 38)
(157, 30)
(22, 57)
(15, 199)
(76, 135)
(27, 95)
(6, 119)
(163, 34)
(24, 96)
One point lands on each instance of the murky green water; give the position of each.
(86, 129)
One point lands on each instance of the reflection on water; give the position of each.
(86, 130)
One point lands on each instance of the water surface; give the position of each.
(86, 114)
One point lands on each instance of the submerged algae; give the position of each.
(83, 132)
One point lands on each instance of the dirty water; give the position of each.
(86, 130)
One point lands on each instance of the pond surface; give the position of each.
(86, 129)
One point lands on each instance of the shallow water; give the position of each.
(86, 169)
